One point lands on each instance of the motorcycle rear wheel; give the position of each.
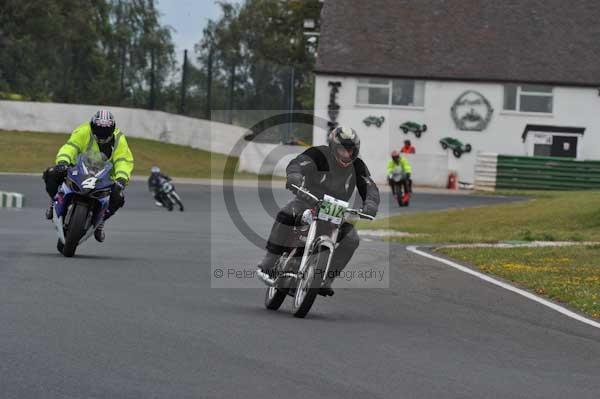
(175, 198)
(168, 203)
(274, 297)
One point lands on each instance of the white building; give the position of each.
(519, 79)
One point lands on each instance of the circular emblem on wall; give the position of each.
(471, 111)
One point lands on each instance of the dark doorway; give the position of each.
(564, 146)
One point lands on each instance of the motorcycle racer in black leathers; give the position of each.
(155, 182)
(334, 170)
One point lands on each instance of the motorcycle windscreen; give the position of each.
(93, 163)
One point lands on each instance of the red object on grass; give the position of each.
(452, 181)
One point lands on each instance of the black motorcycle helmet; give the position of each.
(344, 145)
(103, 126)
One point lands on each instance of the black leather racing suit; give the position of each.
(155, 182)
(322, 174)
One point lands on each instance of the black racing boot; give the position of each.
(99, 232)
(49, 211)
(326, 289)
(266, 269)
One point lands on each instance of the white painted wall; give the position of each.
(154, 125)
(578, 107)
(261, 158)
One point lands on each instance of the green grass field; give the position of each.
(566, 274)
(549, 216)
(34, 152)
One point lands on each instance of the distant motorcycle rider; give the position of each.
(400, 164)
(155, 182)
(100, 135)
(335, 170)
(408, 148)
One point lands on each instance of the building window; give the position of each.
(528, 98)
(397, 92)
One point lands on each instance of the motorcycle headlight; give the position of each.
(307, 217)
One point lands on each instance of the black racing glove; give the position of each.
(295, 179)
(58, 171)
(370, 208)
(62, 165)
(119, 186)
(306, 198)
(117, 198)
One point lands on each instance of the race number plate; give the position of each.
(332, 209)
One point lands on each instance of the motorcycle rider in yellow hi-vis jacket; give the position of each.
(100, 135)
(399, 167)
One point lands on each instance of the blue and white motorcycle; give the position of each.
(82, 201)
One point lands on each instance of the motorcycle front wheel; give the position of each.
(76, 229)
(60, 246)
(399, 199)
(310, 282)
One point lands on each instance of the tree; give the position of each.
(84, 51)
(261, 41)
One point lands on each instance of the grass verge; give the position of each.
(34, 152)
(565, 274)
(547, 216)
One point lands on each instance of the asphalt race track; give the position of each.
(136, 317)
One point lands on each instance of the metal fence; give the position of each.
(493, 171)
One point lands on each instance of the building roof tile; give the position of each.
(538, 41)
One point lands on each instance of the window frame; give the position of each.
(519, 92)
(390, 87)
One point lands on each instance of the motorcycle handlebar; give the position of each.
(360, 214)
(306, 192)
(357, 212)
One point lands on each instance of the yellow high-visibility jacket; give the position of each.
(82, 140)
(404, 164)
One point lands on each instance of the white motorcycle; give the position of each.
(168, 196)
(302, 272)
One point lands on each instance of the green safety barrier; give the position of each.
(546, 173)
(11, 200)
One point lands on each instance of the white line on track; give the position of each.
(508, 287)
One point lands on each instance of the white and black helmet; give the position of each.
(347, 138)
(103, 125)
